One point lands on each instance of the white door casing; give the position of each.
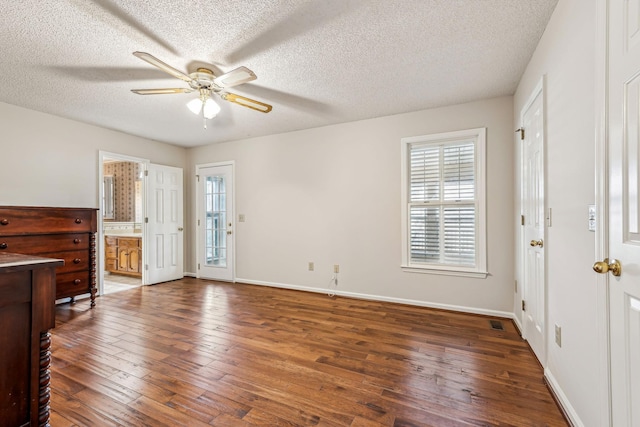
(533, 230)
(165, 236)
(624, 209)
(104, 156)
(215, 220)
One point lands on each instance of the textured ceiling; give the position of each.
(318, 62)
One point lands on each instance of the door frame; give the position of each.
(601, 249)
(538, 90)
(102, 155)
(199, 206)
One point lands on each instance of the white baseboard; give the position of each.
(568, 410)
(516, 320)
(189, 274)
(472, 310)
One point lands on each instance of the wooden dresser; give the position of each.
(27, 313)
(64, 233)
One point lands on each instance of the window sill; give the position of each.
(444, 272)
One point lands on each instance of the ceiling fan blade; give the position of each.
(164, 67)
(246, 102)
(235, 77)
(161, 91)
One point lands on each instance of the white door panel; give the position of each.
(624, 208)
(165, 227)
(533, 210)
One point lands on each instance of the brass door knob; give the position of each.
(607, 265)
(535, 243)
(229, 232)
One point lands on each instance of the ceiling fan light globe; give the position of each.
(195, 105)
(211, 109)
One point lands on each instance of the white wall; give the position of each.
(566, 56)
(50, 161)
(331, 195)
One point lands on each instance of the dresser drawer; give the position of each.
(73, 260)
(71, 284)
(32, 245)
(25, 220)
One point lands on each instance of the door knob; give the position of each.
(180, 228)
(535, 243)
(606, 265)
(229, 232)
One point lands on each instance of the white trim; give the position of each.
(518, 324)
(462, 309)
(480, 137)
(231, 163)
(444, 271)
(569, 410)
(602, 211)
(100, 238)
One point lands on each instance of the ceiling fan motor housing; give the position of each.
(203, 79)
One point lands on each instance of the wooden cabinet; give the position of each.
(27, 313)
(63, 233)
(123, 255)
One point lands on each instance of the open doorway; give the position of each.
(122, 223)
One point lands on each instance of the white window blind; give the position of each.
(442, 202)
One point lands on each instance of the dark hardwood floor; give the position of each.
(195, 353)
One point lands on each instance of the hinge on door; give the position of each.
(146, 172)
(198, 266)
(146, 266)
(521, 130)
(146, 220)
(521, 219)
(198, 178)
(523, 306)
(198, 222)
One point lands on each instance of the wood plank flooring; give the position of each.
(202, 353)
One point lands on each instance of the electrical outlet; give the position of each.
(241, 218)
(311, 266)
(336, 268)
(559, 336)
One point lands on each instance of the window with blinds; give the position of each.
(443, 198)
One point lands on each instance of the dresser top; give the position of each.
(19, 261)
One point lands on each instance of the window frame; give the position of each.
(479, 270)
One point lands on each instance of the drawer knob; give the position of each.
(4, 221)
(78, 221)
(3, 245)
(76, 241)
(77, 261)
(77, 281)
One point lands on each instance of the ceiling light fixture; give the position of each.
(205, 105)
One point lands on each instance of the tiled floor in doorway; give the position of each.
(116, 283)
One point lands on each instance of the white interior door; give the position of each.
(533, 210)
(624, 209)
(215, 222)
(165, 238)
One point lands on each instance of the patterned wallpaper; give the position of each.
(124, 175)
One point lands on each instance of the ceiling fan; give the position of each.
(204, 81)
